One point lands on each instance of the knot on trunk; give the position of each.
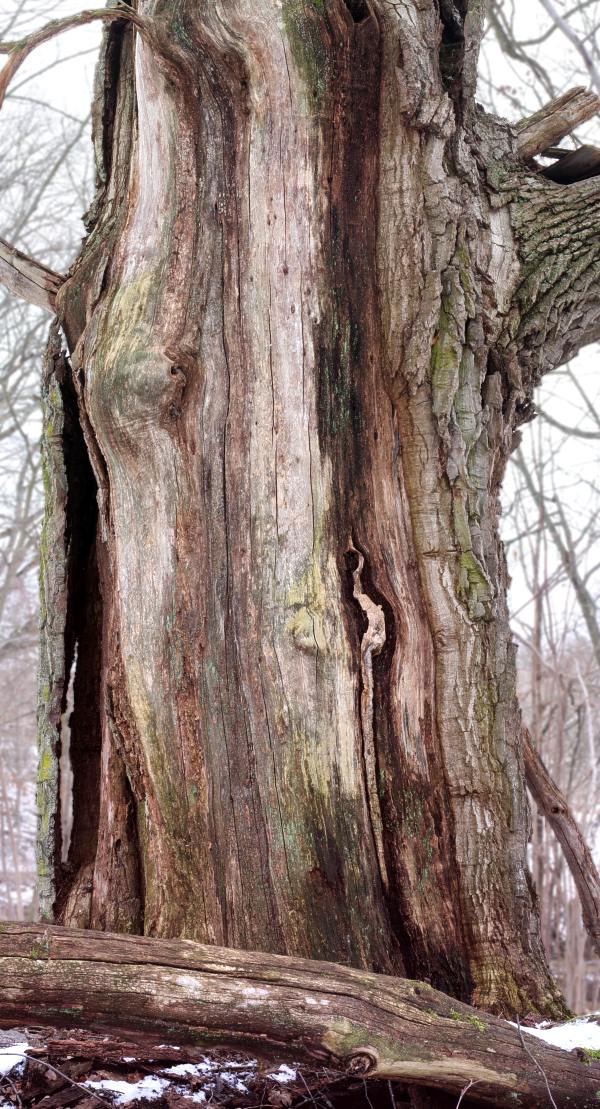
(362, 1062)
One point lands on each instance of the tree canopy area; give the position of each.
(282, 763)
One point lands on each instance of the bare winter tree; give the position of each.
(319, 288)
(44, 182)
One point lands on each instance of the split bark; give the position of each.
(282, 1008)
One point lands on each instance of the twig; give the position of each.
(534, 1060)
(367, 1098)
(10, 1082)
(20, 49)
(86, 1090)
(465, 1089)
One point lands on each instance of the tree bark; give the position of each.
(284, 1009)
(306, 323)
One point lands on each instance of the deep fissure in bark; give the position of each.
(303, 332)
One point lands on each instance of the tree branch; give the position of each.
(20, 49)
(365, 1023)
(28, 279)
(551, 802)
(555, 120)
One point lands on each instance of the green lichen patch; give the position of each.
(305, 29)
(590, 1055)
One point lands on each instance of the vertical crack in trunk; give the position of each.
(372, 643)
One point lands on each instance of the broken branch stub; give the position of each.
(555, 120)
(28, 279)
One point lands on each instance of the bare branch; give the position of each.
(28, 279)
(575, 40)
(551, 802)
(555, 120)
(20, 49)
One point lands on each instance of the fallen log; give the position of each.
(283, 1008)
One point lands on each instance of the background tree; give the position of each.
(45, 183)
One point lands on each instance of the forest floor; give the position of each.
(64, 1068)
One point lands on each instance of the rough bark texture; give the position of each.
(318, 289)
(283, 1009)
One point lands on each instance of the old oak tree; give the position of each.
(287, 370)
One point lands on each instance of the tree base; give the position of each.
(361, 1024)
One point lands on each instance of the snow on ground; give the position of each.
(214, 1074)
(149, 1087)
(583, 1032)
(12, 1058)
(284, 1074)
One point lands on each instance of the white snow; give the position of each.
(210, 1070)
(284, 1074)
(11, 1057)
(149, 1087)
(581, 1032)
(187, 1068)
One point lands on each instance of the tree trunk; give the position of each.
(283, 1009)
(302, 332)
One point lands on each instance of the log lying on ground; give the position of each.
(280, 1007)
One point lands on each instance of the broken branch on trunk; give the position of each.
(363, 1023)
(556, 119)
(553, 805)
(28, 279)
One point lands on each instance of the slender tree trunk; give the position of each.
(302, 330)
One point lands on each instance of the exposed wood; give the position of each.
(555, 120)
(552, 803)
(27, 279)
(291, 1009)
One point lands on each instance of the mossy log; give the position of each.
(284, 1008)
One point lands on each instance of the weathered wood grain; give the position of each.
(27, 279)
(283, 1008)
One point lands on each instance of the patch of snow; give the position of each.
(129, 1058)
(187, 1068)
(11, 1057)
(582, 1032)
(149, 1087)
(284, 1074)
(233, 1081)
